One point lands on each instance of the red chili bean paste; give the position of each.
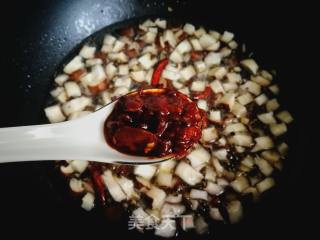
(154, 123)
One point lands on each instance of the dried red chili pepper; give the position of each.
(158, 71)
(98, 184)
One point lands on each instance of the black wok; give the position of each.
(41, 36)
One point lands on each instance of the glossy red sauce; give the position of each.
(155, 123)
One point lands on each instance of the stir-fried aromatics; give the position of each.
(155, 122)
(240, 150)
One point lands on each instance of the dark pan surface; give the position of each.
(43, 34)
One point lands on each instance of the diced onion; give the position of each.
(196, 44)
(234, 77)
(93, 61)
(234, 209)
(161, 23)
(188, 174)
(215, 214)
(227, 36)
(194, 204)
(234, 127)
(264, 166)
(240, 184)
(202, 104)
(283, 149)
(88, 201)
(199, 32)
(209, 134)
(213, 188)
(251, 65)
(267, 118)
(174, 198)
(217, 165)
(252, 87)
(233, 44)
(271, 156)
(169, 37)
(218, 72)
(198, 86)
(118, 46)
(215, 34)
(145, 171)
(262, 99)
(260, 80)
(262, 143)
(54, 114)
(75, 64)
(241, 139)
(113, 187)
(158, 196)
(230, 86)
(198, 157)
(123, 82)
(164, 179)
(76, 105)
(207, 40)
(72, 89)
(187, 73)
(138, 76)
(60, 79)
(285, 117)
(216, 86)
(189, 28)
(120, 57)
(76, 185)
(176, 57)
(66, 170)
(215, 116)
(184, 47)
(272, 105)
(198, 194)
(111, 70)
(120, 91)
(173, 76)
(248, 161)
(123, 69)
(221, 154)
(239, 110)
(79, 165)
(127, 187)
(210, 174)
(212, 58)
(278, 129)
(200, 66)
(87, 51)
(274, 89)
(167, 166)
(265, 184)
(149, 37)
(109, 39)
(146, 61)
(228, 99)
(245, 98)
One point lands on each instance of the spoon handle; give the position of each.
(60, 141)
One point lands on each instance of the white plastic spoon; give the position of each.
(79, 139)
